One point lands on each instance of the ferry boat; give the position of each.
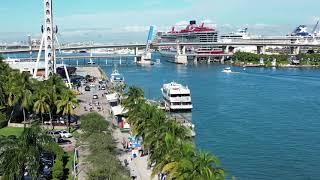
(176, 97)
(116, 77)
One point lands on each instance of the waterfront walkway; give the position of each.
(138, 166)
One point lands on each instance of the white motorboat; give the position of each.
(227, 70)
(91, 62)
(116, 77)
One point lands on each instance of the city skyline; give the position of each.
(123, 20)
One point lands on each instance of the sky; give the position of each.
(128, 20)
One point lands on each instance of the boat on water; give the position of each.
(238, 35)
(227, 70)
(176, 97)
(191, 33)
(116, 77)
(91, 62)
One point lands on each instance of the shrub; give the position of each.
(93, 123)
(57, 169)
(3, 120)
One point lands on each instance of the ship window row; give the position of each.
(181, 103)
(179, 95)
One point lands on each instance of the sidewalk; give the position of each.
(138, 166)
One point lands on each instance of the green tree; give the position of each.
(57, 169)
(18, 155)
(41, 105)
(55, 88)
(66, 105)
(93, 123)
(170, 147)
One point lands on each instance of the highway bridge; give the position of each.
(156, 45)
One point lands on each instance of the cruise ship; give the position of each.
(238, 35)
(176, 97)
(192, 33)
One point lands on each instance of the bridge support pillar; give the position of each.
(226, 49)
(261, 49)
(145, 58)
(136, 50)
(222, 59)
(209, 60)
(181, 57)
(295, 50)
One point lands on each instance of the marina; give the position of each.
(227, 122)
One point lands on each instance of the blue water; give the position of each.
(261, 123)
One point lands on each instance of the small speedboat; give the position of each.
(116, 77)
(227, 70)
(91, 62)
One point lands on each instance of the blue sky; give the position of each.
(109, 20)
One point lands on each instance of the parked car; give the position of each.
(65, 134)
(92, 85)
(54, 133)
(87, 88)
(46, 159)
(103, 87)
(62, 141)
(45, 172)
(95, 96)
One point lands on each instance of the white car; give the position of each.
(92, 85)
(65, 134)
(95, 96)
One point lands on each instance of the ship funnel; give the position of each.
(192, 22)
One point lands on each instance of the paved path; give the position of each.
(137, 166)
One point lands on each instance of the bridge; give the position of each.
(49, 40)
(157, 45)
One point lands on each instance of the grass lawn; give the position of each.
(7, 131)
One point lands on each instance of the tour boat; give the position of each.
(176, 97)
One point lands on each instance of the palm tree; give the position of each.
(12, 90)
(202, 166)
(26, 101)
(55, 87)
(41, 105)
(132, 96)
(66, 105)
(18, 155)
(170, 147)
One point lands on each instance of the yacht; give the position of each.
(176, 97)
(116, 77)
(227, 70)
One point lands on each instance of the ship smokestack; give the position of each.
(192, 22)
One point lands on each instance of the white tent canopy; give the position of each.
(118, 110)
(113, 97)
